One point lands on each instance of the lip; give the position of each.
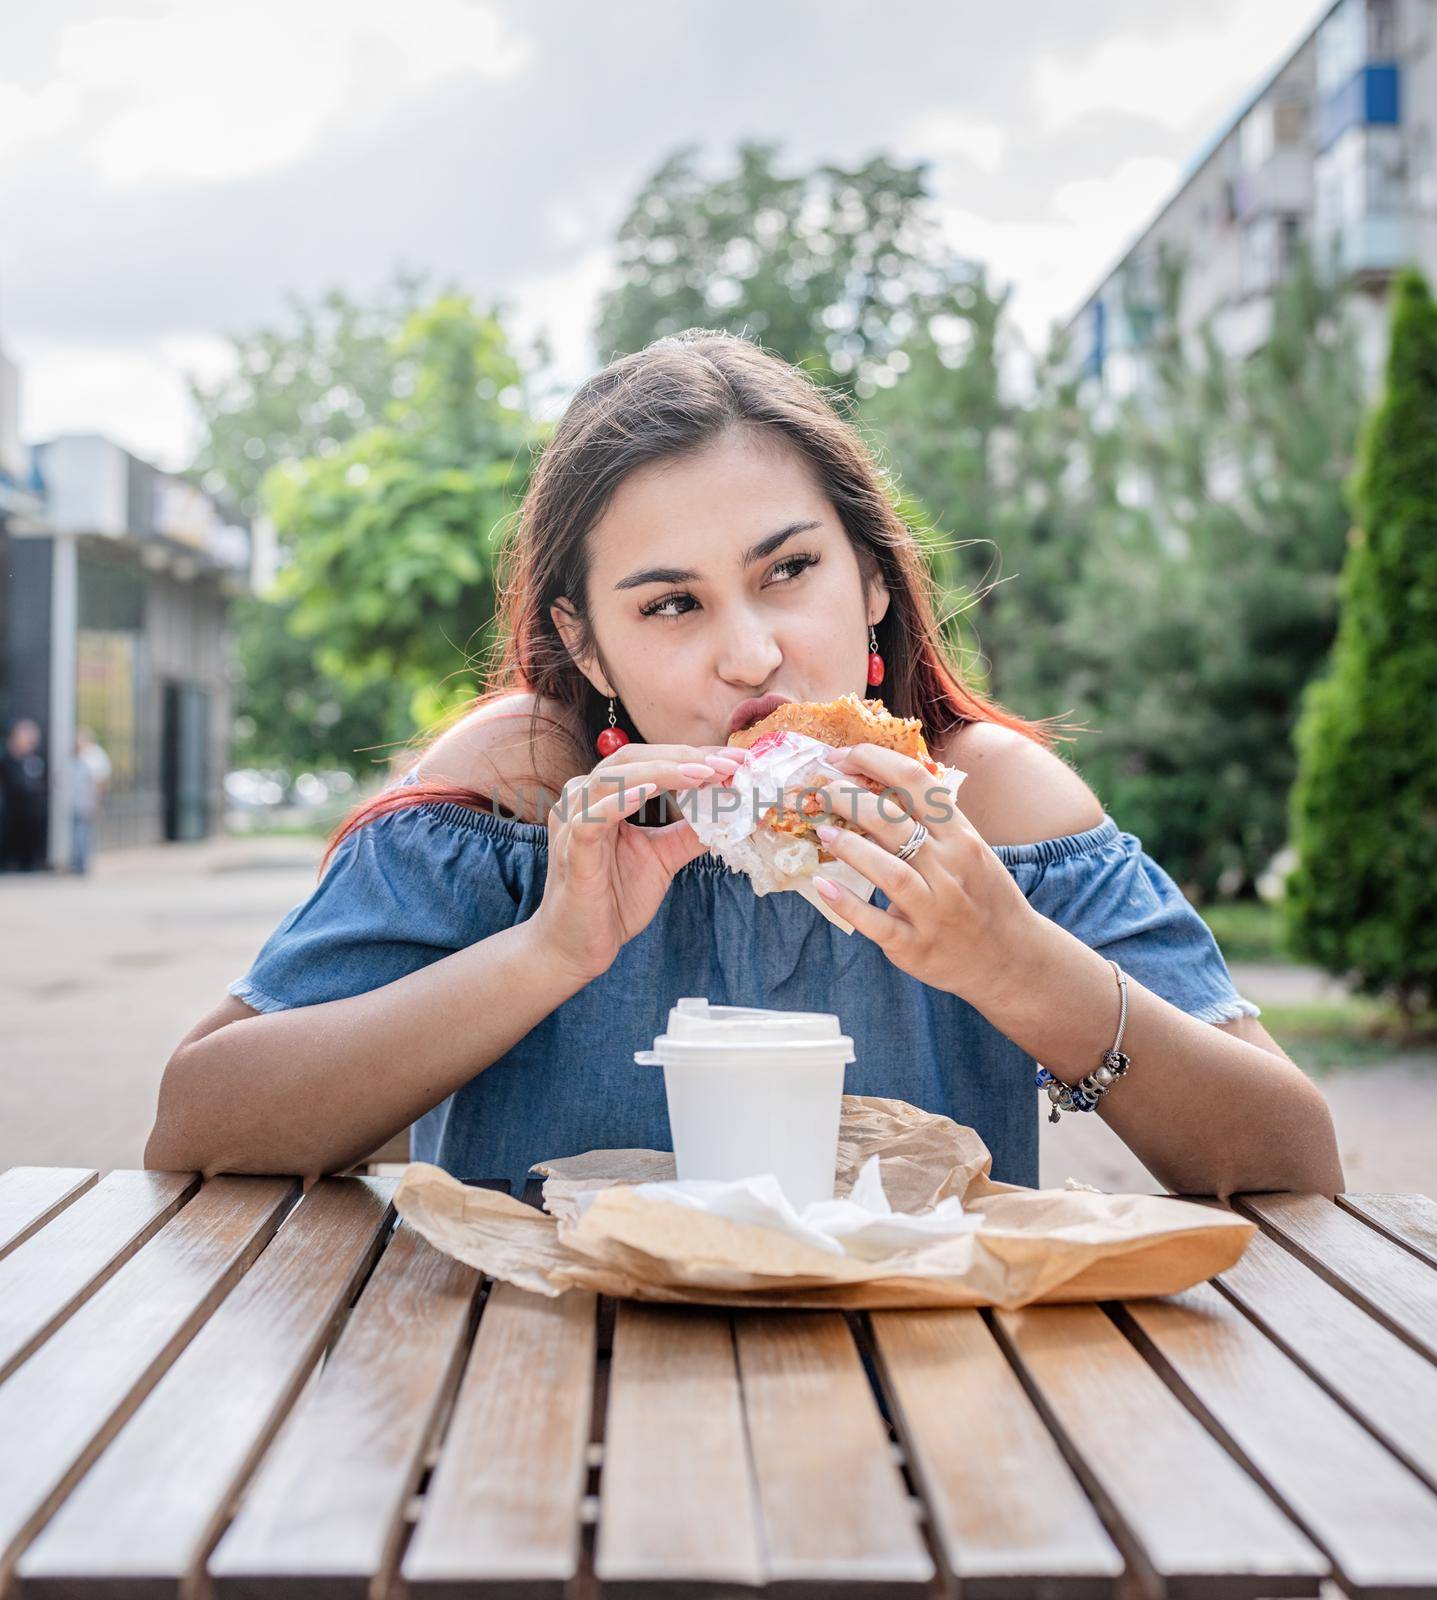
(747, 712)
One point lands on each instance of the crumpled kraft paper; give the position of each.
(1034, 1244)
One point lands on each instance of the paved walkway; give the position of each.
(100, 978)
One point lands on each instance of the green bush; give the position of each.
(1362, 899)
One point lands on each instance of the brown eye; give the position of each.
(655, 608)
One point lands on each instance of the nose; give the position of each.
(749, 655)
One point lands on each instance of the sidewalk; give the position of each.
(101, 977)
(1386, 1115)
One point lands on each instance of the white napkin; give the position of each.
(862, 1224)
(773, 861)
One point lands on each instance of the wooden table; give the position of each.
(229, 1388)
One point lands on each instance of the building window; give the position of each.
(1278, 123)
(1097, 340)
(1357, 74)
(1384, 173)
(1362, 175)
(1289, 123)
(1261, 255)
(1424, 170)
(1341, 45)
(1289, 243)
(1255, 137)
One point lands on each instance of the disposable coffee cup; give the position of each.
(754, 1091)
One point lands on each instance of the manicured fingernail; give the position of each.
(724, 763)
(826, 831)
(734, 753)
(693, 769)
(828, 890)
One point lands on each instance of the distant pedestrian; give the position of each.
(22, 786)
(89, 779)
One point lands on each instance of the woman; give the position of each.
(702, 530)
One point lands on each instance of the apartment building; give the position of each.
(1334, 152)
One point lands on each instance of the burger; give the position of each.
(836, 724)
(768, 828)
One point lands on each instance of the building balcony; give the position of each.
(1283, 183)
(1374, 246)
(1371, 97)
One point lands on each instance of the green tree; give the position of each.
(302, 387)
(1207, 599)
(939, 425)
(292, 715)
(831, 268)
(393, 536)
(1362, 899)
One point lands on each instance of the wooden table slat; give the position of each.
(174, 1355)
(833, 1506)
(30, 1196)
(153, 1503)
(1386, 1278)
(325, 1512)
(676, 1500)
(978, 1449)
(44, 1279)
(74, 1394)
(1178, 1504)
(1378, 1376)
(1411, 1219)
(502, 1509)
(1374, 1518)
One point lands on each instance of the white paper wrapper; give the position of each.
(727, 817)
(861, 1223)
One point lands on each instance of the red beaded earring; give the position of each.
(875, 661)
(611, 738)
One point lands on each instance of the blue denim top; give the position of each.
(414, 886)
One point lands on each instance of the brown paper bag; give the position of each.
(1034, 1244)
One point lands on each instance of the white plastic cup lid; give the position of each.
(692, 1052)
(695, 1019)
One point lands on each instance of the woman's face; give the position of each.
(721, 577)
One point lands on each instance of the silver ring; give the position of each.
(914, 842)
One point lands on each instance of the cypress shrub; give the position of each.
(1362, 898)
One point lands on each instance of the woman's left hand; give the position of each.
(956, 919)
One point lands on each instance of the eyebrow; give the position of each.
(764, 547)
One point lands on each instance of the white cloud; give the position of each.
(1175, 80)
(27, 114)
(133, 393)
(380, 129)
(206, 92)
(563, 304)
(1116, 205)
(943, 135)
(1052, 260)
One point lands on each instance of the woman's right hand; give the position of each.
(607, 876)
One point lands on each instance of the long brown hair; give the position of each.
(670, 399)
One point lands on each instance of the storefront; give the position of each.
(116, 614)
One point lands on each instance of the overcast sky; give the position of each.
(169, 168)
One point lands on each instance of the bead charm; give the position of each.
(1085, 1094)
(875, 661)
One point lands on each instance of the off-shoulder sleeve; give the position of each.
(400, 892)
(1112, 895)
